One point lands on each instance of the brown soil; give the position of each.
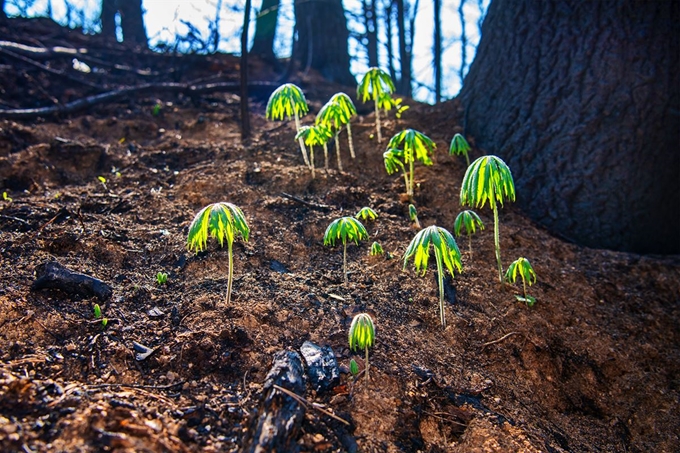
(593, 366)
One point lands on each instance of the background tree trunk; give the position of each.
(582, 100)
(371, 26)
(108, 18)
(3, 15)
(132, 22)
(265, 31)
(404, 87)
(437, 50)
(323, 36)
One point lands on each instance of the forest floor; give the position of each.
(594, 365)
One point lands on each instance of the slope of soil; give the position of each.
(593, 366)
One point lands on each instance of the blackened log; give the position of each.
(53, 275)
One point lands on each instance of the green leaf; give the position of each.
(220, 220)
(376, 249)
(332, 116)
(366, 213)
(361, 332)
(374, 84)
(459, 146)
(353, 367)
(521, 266)
(468, 219)
(97, 311)
(442, 241)
(488, 178)
(345, 103)
(393, 160)
(415, 146)
(285, 101)
(345, 229)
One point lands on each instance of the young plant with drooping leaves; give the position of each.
(362, 335)
(317, 135)
(522, 266)
(413, 215)
(394, 161)
(446, 253)
(366, 213)
(460, 146)
(346, 105)
(470, 221)
(334, 118)
(387, 103)
(287, 102)
(376, 249)
(374, 85)
(488, 178)
(221, 221)
(344, 229)
(414, 146)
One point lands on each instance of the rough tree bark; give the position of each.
(265, 31)
(323, 38)
(582, 100)
(108, 18)
(437, 50)
(132, 22)
(371, 33)
(404, 86)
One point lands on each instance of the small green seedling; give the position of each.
(413, 215)
(362, 335)
(286, 102)
(376, 249)
(317, 135)
(387, 103)
(353, 367)
(347, 106)
(366, 213)
(522, 267)
(394, 161)
(488, 179)
(415, 146)
(156, 109)
(374, 85)
(470, 220)
(222, 221)
(98, 315)
(334, 118)
(6, 197)
(345, 229)
(102, 180)
(161, 278)
(445, 252)
(460, 146)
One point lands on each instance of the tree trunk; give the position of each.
(132, 22)
(245, 110)
(582, 100)
(404, 86)
(323, 39)
(3, 15)
(390, 50)
(108, 18)
(371, 26)
(437, 50)
(463, 41)
(265, 31)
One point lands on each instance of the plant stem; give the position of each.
(377, 118)
(325, 157)
(524, 287)
(411, 171)
(349, 138)
(496, 237)
(366, 365)
(467, 159)
(470, 244)
(337, 150)
(406, 182)
(344, 261)
(231, 271)
(311, 160)
(300, 140)
(440, 280)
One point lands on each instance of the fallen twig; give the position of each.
(500, 339)
(312, 205)
(307, 403)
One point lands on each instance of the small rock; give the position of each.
(322, 368)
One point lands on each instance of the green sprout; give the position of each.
(394, 161)
(446, 254)
(333, 117)
(347, 106)
(161, 278)
(6, 197)
(98, 315)
(488, 178)
(387, 103)
(156, 109)
(470, 220)
(315, 136)
(522, 266)
(285, 102)
(460, 146)
(415, 146)
(376, 249)
(344, 228)
(374, 85)
(102, 180)
(366, 213)
(362, 335)
(413, 215)
(222, 221)
(353, 367)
